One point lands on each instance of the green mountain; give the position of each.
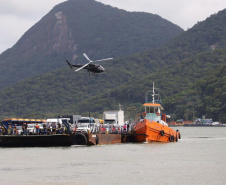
(191, 78)
(77, 26)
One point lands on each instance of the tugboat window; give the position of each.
(151, 110)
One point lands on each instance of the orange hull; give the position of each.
(151, 131)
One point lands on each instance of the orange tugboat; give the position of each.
(152, 125)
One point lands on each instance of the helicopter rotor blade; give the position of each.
(82, 67)
(103, 59)
(87, 57)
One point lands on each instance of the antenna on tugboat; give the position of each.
(120, 106)
(153, 95)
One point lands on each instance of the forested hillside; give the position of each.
(191, 78)
(77, 26)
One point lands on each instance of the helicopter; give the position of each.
(90, 67)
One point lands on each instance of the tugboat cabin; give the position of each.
(153, 112)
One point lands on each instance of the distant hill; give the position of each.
(190, 75)
(78, 26)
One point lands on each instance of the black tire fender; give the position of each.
(178, 134)
(79, 139)
(97, 140)
(171, 139)
(162, 132)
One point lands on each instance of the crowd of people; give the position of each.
(10, 131)
(32, 128)
(113, 129)
(57, 128)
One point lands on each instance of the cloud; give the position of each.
(16, 17)
(184, 13)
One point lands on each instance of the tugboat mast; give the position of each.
(153, 94)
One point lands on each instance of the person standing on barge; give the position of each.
(48, 128)
(44, 129)
(25, 129)
(1, 130)
(15, 132)
(59, 129)
(54, 128)
(10, 130)
(37, 129)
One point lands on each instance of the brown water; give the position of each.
(198, 158)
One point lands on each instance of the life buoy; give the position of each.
(162, 133)
(157, 113)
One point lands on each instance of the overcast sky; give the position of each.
(17, 16)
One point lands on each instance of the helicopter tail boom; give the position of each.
(69, 64)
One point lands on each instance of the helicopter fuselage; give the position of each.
(94, 68)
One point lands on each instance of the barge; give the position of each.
(60, 140)
(35, 140)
